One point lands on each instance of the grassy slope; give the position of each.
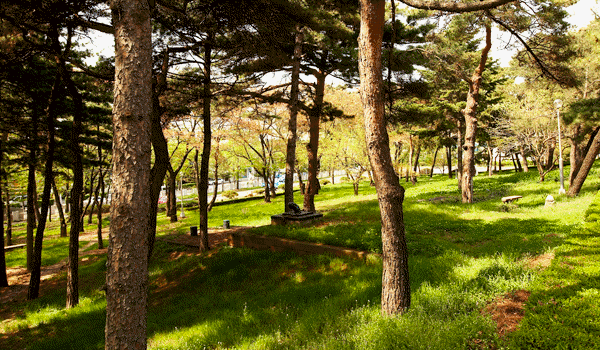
(462, 256)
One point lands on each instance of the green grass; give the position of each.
(462, 257)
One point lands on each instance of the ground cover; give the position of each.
(476, 270)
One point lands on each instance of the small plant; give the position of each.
(230, 194)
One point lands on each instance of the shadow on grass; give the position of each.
(240, 295)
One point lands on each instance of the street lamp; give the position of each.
(558, 104)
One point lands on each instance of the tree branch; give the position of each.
(457, 7)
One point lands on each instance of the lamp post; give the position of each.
(558, 104)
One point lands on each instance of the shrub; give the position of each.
(325, 182)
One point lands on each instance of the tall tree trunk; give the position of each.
(434, 159)
(61, 214)
(3, 276)
(127, 265)
(300, 182)
(515, 167)
(586, 165)
(449, 160)
(172, 195)
(470, 113)
(411, 152)
(524, 156)
(31, 189)
(161, 150)
(549, 161)
(216, 174)
(34, 279)
(459, 152)
(99, 215)
(8, 212)
(576, 155)
(292, 135)
(490, 160)
(203, 188)
(313, 144)
(395, 296)
(416, 166)
(77, 191)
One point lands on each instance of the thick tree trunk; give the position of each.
(204, 162)
(576, 154)
(470, 113)
(586, 165)
(292, 135)
(395, 296)
(127, 265)
(34, 279)
(313, 145)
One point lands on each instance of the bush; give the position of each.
(325, 182)
(230, 194)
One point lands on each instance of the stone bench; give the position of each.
(12, 247)
(510, 199)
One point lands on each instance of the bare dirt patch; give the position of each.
(508, 311)
(541, 261)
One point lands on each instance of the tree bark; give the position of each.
(292, 135)
(313, 144)
(470, 113)
(3, 276)
(586, 165)
(8, 213)
(524, 156)
(34, 279)
(127, 265)
(31, 189)
(459, 152)
(172, 195)
(205, 160)
(449, 160)
(61, 214)
(395, 296)
(434, 159)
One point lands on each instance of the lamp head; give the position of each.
(558, 103)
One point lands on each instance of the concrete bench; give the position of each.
(12, 247)
(510, 199)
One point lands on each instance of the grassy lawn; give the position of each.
(464, 262)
